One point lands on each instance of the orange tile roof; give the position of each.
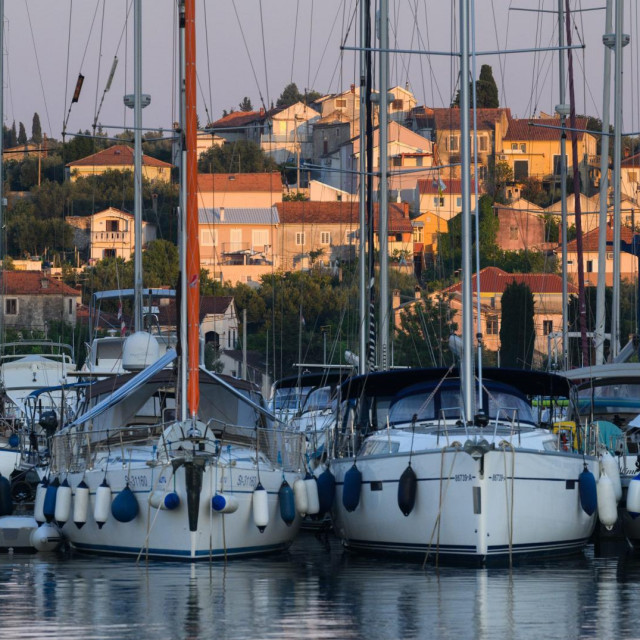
(522, 129)
(494, 280)
(631, 161)
(311, 212)
(118, 155)
(237, 119)
(452, 186)
(590, 240)
(449, 119)
(30, 283)
(235, 182)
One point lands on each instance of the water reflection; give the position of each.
(315, 593)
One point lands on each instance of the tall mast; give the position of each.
(617, 153)
(563, 188)
(137, 164)
(1, 151)
(383, 234)
(604, 193)
(466, 363)
(362, 213)
(193, 249)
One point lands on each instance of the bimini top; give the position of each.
(389, 383)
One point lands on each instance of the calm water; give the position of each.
(317, 591)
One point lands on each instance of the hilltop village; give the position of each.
(278, 194)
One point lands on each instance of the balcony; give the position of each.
(111, 237)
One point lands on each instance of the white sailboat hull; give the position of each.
(519, 503)
(161, 533)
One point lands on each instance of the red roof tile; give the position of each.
(523, 129)
(590, 240)
(228, 182)
(427, 186)
(339, 213)
(631, 162)
(238, 119)
(449, 119)
(32, 283)
(494, 280)
(118, 155)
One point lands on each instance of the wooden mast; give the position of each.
(192, 246)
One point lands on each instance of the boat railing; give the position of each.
(448, 417)
(508, 416)
(77, 450)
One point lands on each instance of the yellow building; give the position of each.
(118, 158)
(531, 147)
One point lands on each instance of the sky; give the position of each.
(255, 48)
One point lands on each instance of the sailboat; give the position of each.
(174, 461)
(455, 466)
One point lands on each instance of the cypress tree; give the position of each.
(36, 129)
(22, 135)
(517, 330)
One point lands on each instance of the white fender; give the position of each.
(226, 504)
(313, 501)
(300, 497)
(80, 504)
(611, 468)
(161, 499)
(607, 506)
(63, 504)
(102, 506)
(633, 497)
(38, 507)
(260, 505)
(46, 537)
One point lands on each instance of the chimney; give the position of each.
(627, 152)
(221, 214)
(353, 88)
(405, 209)
(395, 299)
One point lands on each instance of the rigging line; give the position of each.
(264, 56)
(35, 51)
(66, 85)
(95, 106)
(501, 59)
(206, 37)
(204, 99)
(310, 44)
(246, 46)
(432, 75)
(295, 38)
(324, 51)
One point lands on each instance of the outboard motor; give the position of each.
(49, 422)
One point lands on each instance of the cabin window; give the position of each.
(547, 327)
(325, 237)
(300, 238)
(11, 306)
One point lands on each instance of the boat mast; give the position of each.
(562, 112)
(137, 165)
(1, 155)
(604, 193)
(193, 249)
(383, 227)
(620, 41)
(466, 364)
(362, 213)
(576, 195)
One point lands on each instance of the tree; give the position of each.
(14, 135)
(36, 129)
(486, 91)
(160, 264)
(517, 330)
(290, 95)
(22, 135)
(242, 156)
(246, 105)
(500, 174)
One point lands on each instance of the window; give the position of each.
(438, 201)
(112, 225)
(514, 146)
(260, 238)
(482, 172)
(609, 255)
(397, 104)
(547, 327)
(589, 266)
(523, 147)
(325, 146)
(418, 161)
(11, 306)
(396, 161)
(483, 143)
(325, 237)
(492, 326)
(300, 238)
(108, 253)
(633, 176)
(458, 202)
(520, 169)
(513, 232)
(453, 143)
(235, 236)
(70, 307)
(341, 103)
(557, 164)
(208, 237)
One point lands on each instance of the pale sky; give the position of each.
(37, 34)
